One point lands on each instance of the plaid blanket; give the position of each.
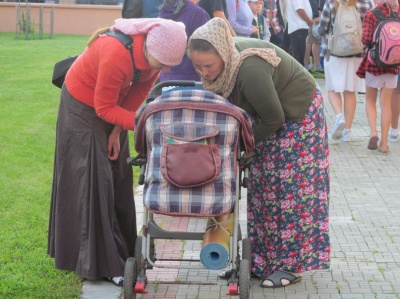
(191, 116)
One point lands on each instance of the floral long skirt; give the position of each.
(288, 197)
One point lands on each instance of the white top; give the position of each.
(295, 22)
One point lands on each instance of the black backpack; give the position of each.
(61, 68)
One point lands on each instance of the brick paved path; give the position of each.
(364, 226)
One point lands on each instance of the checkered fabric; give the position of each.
(188, 109)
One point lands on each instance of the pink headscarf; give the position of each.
(166, 39)
(394, 4)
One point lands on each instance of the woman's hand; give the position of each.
(113, 144)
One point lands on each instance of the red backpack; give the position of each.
(384, 50)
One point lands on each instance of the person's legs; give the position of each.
(298, 44)
(335, 99)
(386, 114)
(349, 99)
(316, 49)
(370, 109)
(349, 107)
(395, 105)
(307, 54)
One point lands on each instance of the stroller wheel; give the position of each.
(244, 279)
(130, 278)
(138, 252)
(246, 251)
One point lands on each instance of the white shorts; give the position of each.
(386, 80)
(340, 74)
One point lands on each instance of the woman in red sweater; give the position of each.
(92, 228)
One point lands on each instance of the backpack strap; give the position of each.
(380, 17)
(379, 14)
(335, 5)
(127, 41)
(349, 3)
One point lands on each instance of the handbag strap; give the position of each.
(127, 41)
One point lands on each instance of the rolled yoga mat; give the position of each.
(214, 254)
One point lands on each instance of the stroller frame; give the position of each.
(135, 278)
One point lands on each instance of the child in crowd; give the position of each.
(259, 20)
(341, 83)
(313, 42)
(313, 47)
(384, 78)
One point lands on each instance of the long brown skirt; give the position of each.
(92, 228)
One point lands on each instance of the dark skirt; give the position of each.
(92, 227)
(288, 197)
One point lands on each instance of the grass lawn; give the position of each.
(317, 75)
(28, 112)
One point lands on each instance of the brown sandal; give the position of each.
(373, 143)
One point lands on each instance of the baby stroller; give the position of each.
(188, 143)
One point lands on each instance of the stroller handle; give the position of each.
(179, 83)
(138, 161)
(157, 89)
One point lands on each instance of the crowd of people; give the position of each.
(257, 54)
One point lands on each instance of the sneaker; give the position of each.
(338, 128)
(346, 135)
(319, 69)
(393, 136)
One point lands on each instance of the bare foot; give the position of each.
(383, 149)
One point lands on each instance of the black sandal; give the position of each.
(276, 279)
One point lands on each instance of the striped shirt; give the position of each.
(266, 13)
